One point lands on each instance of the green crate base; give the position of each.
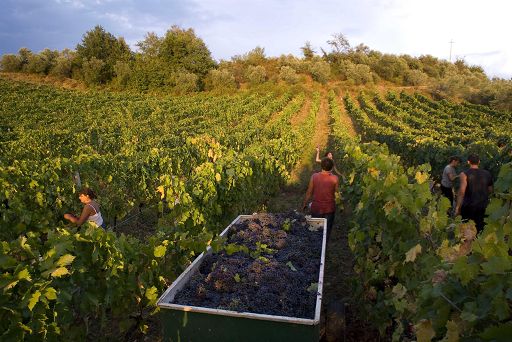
(186, 326)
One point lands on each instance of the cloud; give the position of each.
(73, 3)
(231, 27)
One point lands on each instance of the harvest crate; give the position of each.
(191, 323)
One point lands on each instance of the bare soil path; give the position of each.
(340, 321)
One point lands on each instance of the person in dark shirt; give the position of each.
(475, 186)
(322, 189)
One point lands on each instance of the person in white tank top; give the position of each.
(90, 212)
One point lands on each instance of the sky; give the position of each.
(478, 29)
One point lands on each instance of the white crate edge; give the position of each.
(164, 302)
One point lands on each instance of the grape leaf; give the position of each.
(65, 260)
(424, 331)
(59, 272)
(34, 299)
(411, 255)
(160, 251)
(50, 293)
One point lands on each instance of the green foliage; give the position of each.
(182, 50)
(24, 55)
(307, 51)
(123, 73)
(357, 73)
(391, 68)
(288, 74)
(41, 63)
(416, 265)
(415, 78)
(503, 98)
(185, 83)
(10, 63)
(64, 64)
(320, 71)
(256, 74)
(419, 129)
(254, 57)
(191, 159)
(93, 71)
(220, 80)
(98, 53)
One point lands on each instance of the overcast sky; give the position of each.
(479, 29)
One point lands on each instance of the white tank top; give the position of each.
(96, 218)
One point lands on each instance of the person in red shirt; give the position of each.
(322, 190)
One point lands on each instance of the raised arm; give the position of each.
(336, 171)
(318, 160)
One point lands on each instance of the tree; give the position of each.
(184, 51)
(430, 65)
(391, 68)
(185, 83)
(339, 43)
(93, 70)
(150, 46)
(288, 74)
(307, 51)
(42, 62)
(105, 47)
(415, 78)
(361, 48)
(256, 56)
(503, 100)
(320, 71)
(123, 73)
(220, 80)
(256, 74)
(64, 64)
(10, 63)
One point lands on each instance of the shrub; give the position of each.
(63, 65)
(10, 63)
(288, 74)
(320, 71)
(256, 74)
(360, 74)
(123, 73)
(92, 70)
(185, 82)
(38, 64)
(415, 78)
(220, 80)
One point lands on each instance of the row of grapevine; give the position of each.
(60, 282)
(422, 275)
(424, 131)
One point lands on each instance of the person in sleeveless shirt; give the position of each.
(90, 212)
(475, 187)
(322, 190)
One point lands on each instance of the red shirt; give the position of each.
(324, 188)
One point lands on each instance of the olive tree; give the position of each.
(320, 71)
(11, 63)
(256, 74)
(288, 74)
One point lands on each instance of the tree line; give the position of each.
(180, 62)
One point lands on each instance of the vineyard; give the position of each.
(190, 164)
